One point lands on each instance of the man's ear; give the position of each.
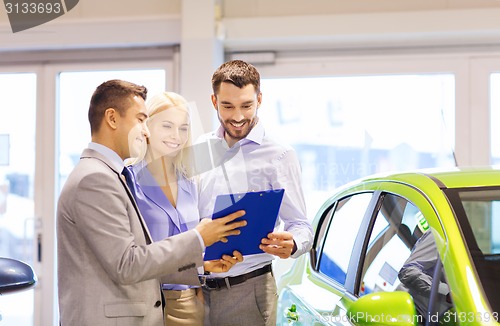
(110, 118)
(259, 99)
(214, 101)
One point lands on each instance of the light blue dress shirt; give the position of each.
(163, 219)
(255, 163)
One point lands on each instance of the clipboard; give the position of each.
(261, 207)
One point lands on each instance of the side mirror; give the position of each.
(383, 308)
(15, 276)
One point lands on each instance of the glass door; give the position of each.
(74, 90)
(17, 168)
(43, 130)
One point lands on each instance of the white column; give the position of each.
(200, 54)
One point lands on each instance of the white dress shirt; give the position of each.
(255, 163)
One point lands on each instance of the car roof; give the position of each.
(444, 178)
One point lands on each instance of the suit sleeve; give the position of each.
(110, 225)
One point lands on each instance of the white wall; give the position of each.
(268, 24)
(267, 8)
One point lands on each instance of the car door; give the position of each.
(316, 285)
(332, 255)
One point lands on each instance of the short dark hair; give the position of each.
(237, 72)
(116, 94)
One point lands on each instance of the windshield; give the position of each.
(478, 212)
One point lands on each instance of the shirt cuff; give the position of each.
(300, 247)
(201, 270)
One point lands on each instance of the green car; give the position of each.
(416, 248)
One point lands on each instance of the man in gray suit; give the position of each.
(109, 270)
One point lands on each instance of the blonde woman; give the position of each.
(168, 198)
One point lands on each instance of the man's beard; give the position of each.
(249, 124)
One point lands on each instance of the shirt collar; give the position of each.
(256, 135)
(115, 160)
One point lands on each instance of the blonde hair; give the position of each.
(159, 103)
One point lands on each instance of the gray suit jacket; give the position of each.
(109, 270)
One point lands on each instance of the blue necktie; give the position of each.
(129, 178)
(132, 185)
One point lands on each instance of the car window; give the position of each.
(389, 246)
(402, 255)
(341, 235)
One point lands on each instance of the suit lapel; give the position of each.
(89, 153)
(134, 203)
